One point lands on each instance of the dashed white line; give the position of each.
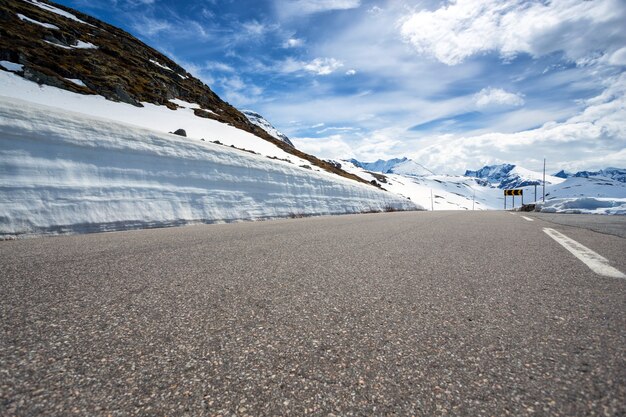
(527, 218)
(596, 262)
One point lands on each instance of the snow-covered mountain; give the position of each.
(403, 166)
(508, 176)
(258, 120)
(483, 189)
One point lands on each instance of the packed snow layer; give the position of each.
(593, 195)
(584, 205)
(151, 116)
(67, 172)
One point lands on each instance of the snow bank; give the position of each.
(585, 205)
(593, 195)
(66, 172)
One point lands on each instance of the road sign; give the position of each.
(513, 193)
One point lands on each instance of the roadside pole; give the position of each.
(544, 180)
(432, 204)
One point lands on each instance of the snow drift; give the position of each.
(67, 172)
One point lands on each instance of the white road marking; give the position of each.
(527, 218)
(596, 262)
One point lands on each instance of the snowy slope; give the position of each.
(66, 172)
(260, 121)
(151, 116)
(593, 195)
(448, 192)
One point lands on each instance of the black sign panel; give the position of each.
(513, 192)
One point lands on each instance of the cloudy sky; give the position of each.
(452, 84)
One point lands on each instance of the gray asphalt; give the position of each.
(426, 313)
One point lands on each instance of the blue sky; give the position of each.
(452, 84)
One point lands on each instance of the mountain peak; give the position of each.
(258, 120)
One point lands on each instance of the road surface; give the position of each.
(425, 313)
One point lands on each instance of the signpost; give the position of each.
(513, 193)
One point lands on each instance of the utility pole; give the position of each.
(535, 191)
(544, 180)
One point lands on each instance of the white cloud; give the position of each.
(618, 57)
(351, 72)
(463, 28)
(293, 43)
(331, 147)
(150, 27)
(323, 66)
(238, 92)
(254, 28)
(595, 138)
(496, 97)
(291, 8)
(318, 66)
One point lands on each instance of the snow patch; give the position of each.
(56, 10)
(79, 45)
(11, 66)
(84, 45)
(187, 105)
(158, 64)
(37, 22)
(76, 81)
(584, 205)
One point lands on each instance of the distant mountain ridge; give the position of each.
(617, 174)
(403, 166)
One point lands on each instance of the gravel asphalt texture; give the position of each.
(422, 313)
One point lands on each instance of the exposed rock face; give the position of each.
(55, 48)
(180, 132)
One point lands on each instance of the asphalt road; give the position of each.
(426, 313)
